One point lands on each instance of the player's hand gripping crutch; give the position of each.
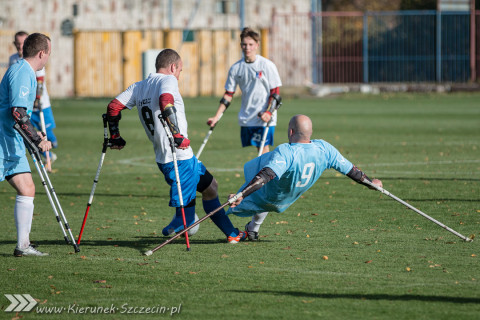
(229, 202)
(365, 181)
(177, 175)
(226, 103)
(105, 146)
(49, 190)
(276, 103)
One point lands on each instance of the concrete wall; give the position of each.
(121, 15)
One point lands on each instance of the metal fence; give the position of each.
(399, 46)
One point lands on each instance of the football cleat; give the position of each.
(252, 235)
(242, 236)
(28, 251)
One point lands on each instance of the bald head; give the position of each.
(300, 129)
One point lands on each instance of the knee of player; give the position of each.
(27, 190)
(211, 191)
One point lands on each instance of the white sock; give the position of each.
(23, 213)
(257, 221)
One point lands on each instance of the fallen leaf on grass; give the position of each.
(325, 257)
(369, 261)
(408, 269)
(99, 281)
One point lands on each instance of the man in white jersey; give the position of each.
(259, 81)
(17, 95)
(42, 99)
(283, 175)
(159, 95)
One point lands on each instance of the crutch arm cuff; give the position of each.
(20, 116)
(358, 176)
(225, 102)
(262, 177)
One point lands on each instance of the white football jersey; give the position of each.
(145, 96)
(45, 98)
(255, 79)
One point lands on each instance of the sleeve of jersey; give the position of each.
(281, 160)
(230, 83)
(274, 76)
(22, 88)
(335, 159)
(127, 97)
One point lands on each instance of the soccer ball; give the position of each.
(194, 230)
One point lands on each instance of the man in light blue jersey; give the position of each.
(284, 174)
(17, 95)
(42, 101)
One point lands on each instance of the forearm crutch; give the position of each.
(105, 146)
(277, 102)
(416, 210)
(177, 175)
(50, 191)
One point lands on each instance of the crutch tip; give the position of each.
(188, 249)
(148, 253)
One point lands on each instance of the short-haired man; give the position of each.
(159, 95)
(17, 95)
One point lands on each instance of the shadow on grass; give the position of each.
(366, 297)
(141, 243)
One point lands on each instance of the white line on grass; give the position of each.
(140, 162)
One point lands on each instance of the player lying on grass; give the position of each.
(159, 95)
(288, 171)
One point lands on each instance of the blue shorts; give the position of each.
(49, 123)
(252, 136)
(9, 167)
(190, 172)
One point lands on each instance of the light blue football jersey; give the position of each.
(17, 89)
(297, 167)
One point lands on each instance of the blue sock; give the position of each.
(220, 218)
(177, 221)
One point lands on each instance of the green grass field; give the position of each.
(340, 252)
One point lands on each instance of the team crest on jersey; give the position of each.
(24, 91)
(259, 74)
